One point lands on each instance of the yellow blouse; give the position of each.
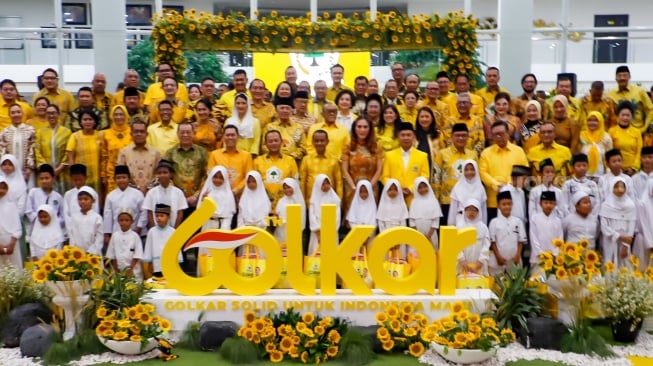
(386, 139)
(112, 141)
(86, 150)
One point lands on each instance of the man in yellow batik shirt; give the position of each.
(440, 109)
(337, 74)
(292, 134)
(103, 99)
(131, 80)
(274, 167)
(240, 86)
(155, 93)
(490, 91)
(262, 110)
(319, 162)
(477, 107)
(338, 134)
(62, 98)
(316, 104)
(9, 96)
(564, 86)
(548, 148)
(634, 94)
(448, 165)
(495, 164)
(595, 101)
(474, 124)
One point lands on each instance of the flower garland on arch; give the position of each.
(454, 33)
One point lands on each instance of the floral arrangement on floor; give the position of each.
(403, 329)
(137, 323)
(308, 338)
(19, 288)
(67, 264)
(455, 33)
(574, 260)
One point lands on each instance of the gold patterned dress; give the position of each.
(112, 141)
(362, 165)
(85, 149)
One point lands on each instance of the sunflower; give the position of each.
(591, 257)
(276, 356)
(258, 325)
(308, 317)
(135, 338)
(149, 307)
(145, 318)
(407, 308)
(77, 254)
(381, 317)
(561, 273)
(416, 349)
(250, 316)
(108, 333)
(410, 332)
(584, 243)
(270, 347)
(462, 315)
(406, 318)
(310, 343)
(457, 307)
(634, 261)
(304, 357)
(124, 323)
(319, 330)
(332, 351)
(334, 336)
(395, 325)
(609, 267)
(382, 334)
(52, 254)
(388, 345)
(392, 311)
(285, 344)
(119, 336)
(39, 275)
(558, 243)
(165, 325)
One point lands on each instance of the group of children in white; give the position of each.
(617, 213)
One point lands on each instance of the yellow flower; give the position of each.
(149, 308)
(460, 337)
(311, 343)
(407, 308)
(285, 344)
(410, 332)
(557, 242)
(132, 313)
(382, 333)
(258, 325)
(561, 274)
(634, 261)
(304, 357)
(388, 345)
(488, 323)
(300, 326)
(308, 317)
(250, 316)
(462, 315)
(135, 338)
(52, 254)
(457, 307)
(559, 261)
(609, 267)
(395, 325)
(165, 325)
(39, 275)
(584, 243)
(276, 356)
(381, 317)
(392, 311)
(145, 318)
(416, 349)
(406, 318)
(124, 324)
(591, 257)
(319, 330)
(270, 347)
(119, 336)
(108, 333)
(334, 336)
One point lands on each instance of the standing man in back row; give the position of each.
(636, 95)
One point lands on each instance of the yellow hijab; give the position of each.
(124, 129)
(594, 137)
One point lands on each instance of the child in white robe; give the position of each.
(519, 174)
(425, 213)
(292, 195)
(157, 238)
(10, 229)
(217, 187)
(86, 230)
(645, 174)
(643, 246)
(253, 208)
(392, 211)
(43, 195)
(579, 181)
(46, 234)
(15, 180)
(614, 162)
(321, 194)
(544, 227)
(469, 186)
(618, 216)
(581, 223)
(165, 193)
(363, 208)
(548, 177)
(507, 236)
(70, 201)
(121, 198)
(474, 258)
(125, 247)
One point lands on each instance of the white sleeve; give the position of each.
(138, 247)
(313, 219)
(147, 252)
(111, 249)
(107, 221)
(98, 237)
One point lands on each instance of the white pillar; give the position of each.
(515, 21)
(58, 17)
(253, 7)
(109, 33)
(314, 11)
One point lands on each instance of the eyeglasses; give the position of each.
(432, 88)
(49, 78)
(398, 69)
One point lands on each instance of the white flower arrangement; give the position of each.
(625, 295)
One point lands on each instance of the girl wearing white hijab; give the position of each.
(392, 210)
(474, 258)
(321, 194)
(363, 207)
(254, 206)
(292, 195)
(249, 128)
(618, 216)
(47, 233)
(424, 214)
(644, 240)
(10, 229)
(15, 180)
(217, 187)
(468, 186)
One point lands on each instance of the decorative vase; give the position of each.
(463, 356)
(71, 297)
(625, 331)
(129, 347)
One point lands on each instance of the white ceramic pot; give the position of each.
(70, 296)
(129, 347)
(463, 356)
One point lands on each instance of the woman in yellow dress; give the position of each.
(386, 131)
(84, 148)
(50, 148)
(208, 131)
(408, 111)
(502, 113)
(40, 119)
(249, 128)
(113, 140)
(627, 138)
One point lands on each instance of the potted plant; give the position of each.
(130, 330)
(517, 299)
(626, 298)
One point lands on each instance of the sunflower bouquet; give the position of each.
(403, 329)
(462, 329)
(574, 260)
(137, 323)
(307, 338)
(67, 264)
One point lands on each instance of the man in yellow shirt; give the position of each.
(62, 98)
(448, 165)
(405, 163)
(301, 115)
(338, 134)
(496, 162)
(564, 87)
(462, 86)
(274, 167)
(474, 124)
(316, 105)
(240, 86)
(360, 91)
(163, 135)
(442, 78)
(319, 162)
(634, 94)
(292, 134)
(155, 93)
(131, 80)
(238, 162)
(131, 102)
(548, 148)
(9, 96)
(337, 74)
(518, 104)
(595, 101)
(103, 99)
(440, 109)
(490, 91)
(261, 109)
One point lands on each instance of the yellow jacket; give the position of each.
(393, 167)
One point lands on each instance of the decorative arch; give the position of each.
(454, 33)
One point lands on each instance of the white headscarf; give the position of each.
(362, 212)
(579, 195)
(246, 125)
(392, 209)
(319, 198)
(469, 188)
(620, 208)
(463, 222)
(15, 180)
(254, 204)
(10, 223)
(50, 235)
(89, 190)
(222, 195)
(297, 198)
(424, 206)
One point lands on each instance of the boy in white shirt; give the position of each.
(70, 202)
(544, 227)
(582, 223)
(165, 193)
(547, 170)
(519, 174)
(614, 161)
(125, 248)
(85, 230)
(157, 238)
(579, 181)
(123, 197)
(645, 173)
(507, 236)
(44, 195)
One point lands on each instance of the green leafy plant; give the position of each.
(19, 288)
(62, 353)
(582, 338)
(356, 348)
(190, 337)
(239, 351)
(517, 299)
